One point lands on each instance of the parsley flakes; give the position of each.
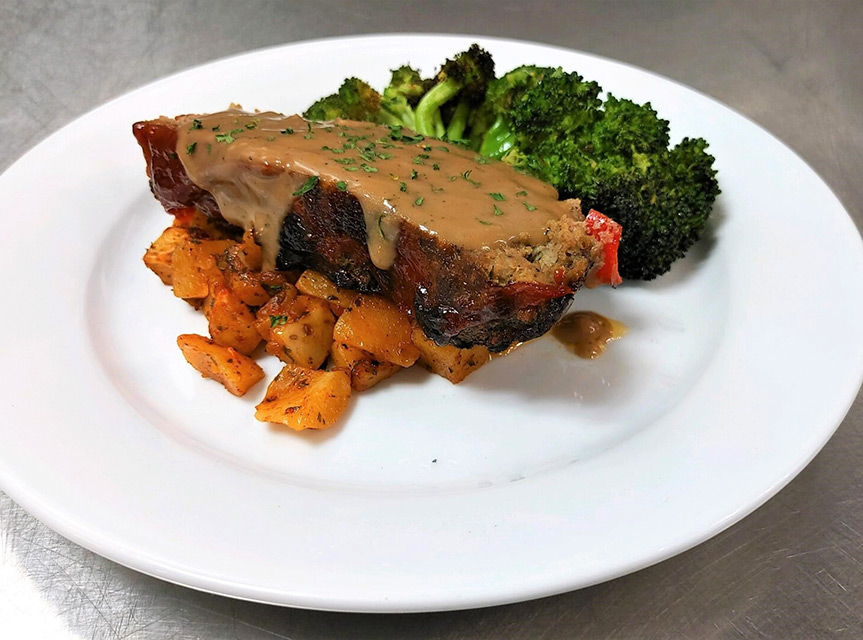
(310, 183)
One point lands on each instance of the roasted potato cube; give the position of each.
(448, 361)
(231, 322)
(243, 275)
(215, 228)
(194, 266)
(302, 398)
(226, 365)
(366, 370)
(298, 329)
(158, 256)
(376, 325)
(316, 284)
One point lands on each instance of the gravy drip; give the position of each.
(256, 164)
(587, 333)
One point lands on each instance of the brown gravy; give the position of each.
(587, 333)
(256, 164)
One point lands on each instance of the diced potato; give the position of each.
(318, 285)
(448, 361)
(158, 256)
(194, 266)
(366, 371)
(191, 218)
(376, 325)
(231, 322)
(298, 329)
(243, 275)
(226, 365)
(302, 398)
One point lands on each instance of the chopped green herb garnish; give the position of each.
(528, 206)
(287, 131)
(209, 148)
(436, 166)
(217, 127)
(466, 176)
(403, 186)
(442, 148)
(341, 185)
(252, 124)
(418, 202)
(480, 159)
(352, 168)
(227, 138)
(414, 174)
(307, 186)
(368, 168)
(345, 160)
(384, 156)
(426, 147)
(497, 196)
(190, 148)
(275, 321)
(485, 222)
(497, 211)
(521, 193)
(196, 124)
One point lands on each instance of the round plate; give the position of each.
(539, 474)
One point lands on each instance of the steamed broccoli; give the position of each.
(615, 157)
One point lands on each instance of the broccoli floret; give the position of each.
(614, 157)
(355, 100)
(402, 94)
(465, 77)
(663, 210)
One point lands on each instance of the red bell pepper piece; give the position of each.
(607, 231)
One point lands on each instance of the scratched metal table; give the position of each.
(793, 569)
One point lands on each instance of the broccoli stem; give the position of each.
(458, 122)
(428, 108)
(385, 117)
(497, 140)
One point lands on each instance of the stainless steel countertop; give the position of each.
(793, 569)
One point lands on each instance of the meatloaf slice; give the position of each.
(460, 290)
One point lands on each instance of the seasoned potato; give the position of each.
(226, 365)
(316, 284)
(191, 218)
(366, 370)
(298, 329)
(194, 266)
(158, 256)
(231, 322)
(302, 398)
(376, 325)
(452, 363)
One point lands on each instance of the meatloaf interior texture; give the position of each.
(466, 296)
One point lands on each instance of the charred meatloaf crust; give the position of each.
(478, 253)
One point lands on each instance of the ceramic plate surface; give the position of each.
(540, 474)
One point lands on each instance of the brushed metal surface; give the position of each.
(793, 569)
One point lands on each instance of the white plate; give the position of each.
(542, 473)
